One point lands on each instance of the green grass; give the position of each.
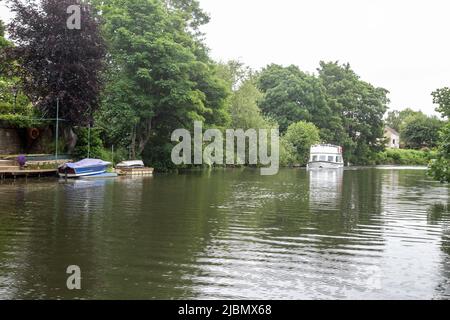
(405, 157)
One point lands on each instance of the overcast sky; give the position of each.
(401, 45)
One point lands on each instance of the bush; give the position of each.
(297, 141)
(405, 157)
(88, 145)
(440, 168)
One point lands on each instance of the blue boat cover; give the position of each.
(87, 163)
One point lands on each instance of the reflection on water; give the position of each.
(325, 188)
(333, 234)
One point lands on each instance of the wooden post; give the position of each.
(57, 129)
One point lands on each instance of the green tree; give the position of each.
(301, 136)
(159, 78)
(3, 41)
(243, 102)
(14, 105)
(419, 131)
(360, 107)
(191, 12)
(291, 95)
(89, 144)
(244, 110)
(440, 168)
(395, 119)
(441, 97)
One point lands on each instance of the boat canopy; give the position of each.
(87, 163)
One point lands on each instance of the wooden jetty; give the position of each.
(10, 169)
(17, 172)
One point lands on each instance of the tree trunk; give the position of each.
(144, 135)
(133, 144)
(70, 138)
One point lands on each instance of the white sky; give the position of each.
(401, 45)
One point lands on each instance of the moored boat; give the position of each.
(325, 156)
(130, 164)
(86, 167)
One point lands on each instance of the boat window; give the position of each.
(330, 158)
(338, 159)
(314, 158)
(323, 158)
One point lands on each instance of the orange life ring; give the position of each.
(33, 133)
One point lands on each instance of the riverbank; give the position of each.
(405, 157)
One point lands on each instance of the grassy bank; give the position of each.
(405, 157)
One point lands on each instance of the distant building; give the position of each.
(392, 137)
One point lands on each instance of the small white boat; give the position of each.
(86, 167)
(325, 156)
(130, 164)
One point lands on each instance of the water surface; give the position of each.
(366, 233)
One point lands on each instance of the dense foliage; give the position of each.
(89, 144)
(416, 129)
(57, 62)
(405, 157)
(138, 69)
(15, 109)
(347, 110)
(291, 95)
(440, 168)
(420, 131)
(360, 108)
(396, 119)
(299, 138)
(159, 75)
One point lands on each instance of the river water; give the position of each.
(362, 233)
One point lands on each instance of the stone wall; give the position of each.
(10, 141)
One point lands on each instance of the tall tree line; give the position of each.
(138, 69)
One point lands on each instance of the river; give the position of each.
(360, 233)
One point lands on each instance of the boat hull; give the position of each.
(82, 172)
(324, 165)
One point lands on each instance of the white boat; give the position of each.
(130, 164)
(86, 167)
(325, 156)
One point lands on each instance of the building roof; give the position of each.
(392, 131)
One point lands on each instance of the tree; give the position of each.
(57, 62)
(89, 144)
(243, 102)
(420, 131)
(14, 105)
(360, 107)
(301, 136)
(159, 76)
(3, 42)
(441, 97)
(291, 95)
(440, 168)
(395, 119)
(191, 13)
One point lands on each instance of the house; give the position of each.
(392, 137)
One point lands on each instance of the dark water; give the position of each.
(366, 233)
